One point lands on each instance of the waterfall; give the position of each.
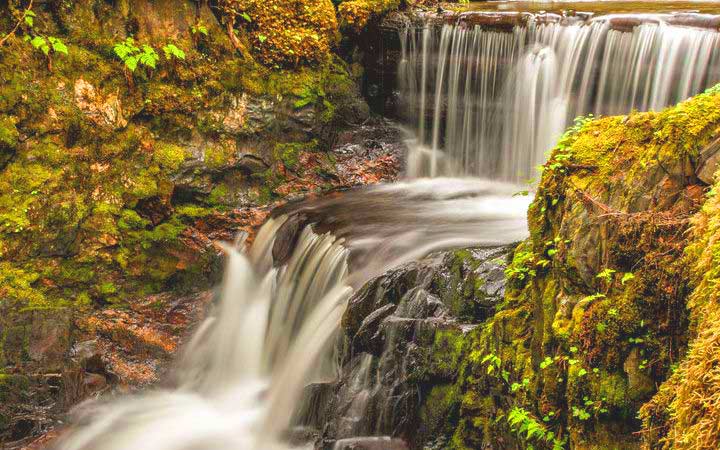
(490, 102)
(241, 377)
(244, 370)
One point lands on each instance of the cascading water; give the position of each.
(243, 373)
(495, 101)
(247, 364)
(492, 102)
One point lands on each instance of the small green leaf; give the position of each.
(246, 16)
(627, 277)
(29, 18)
(131, 63)
(262, 38)
(58, 45)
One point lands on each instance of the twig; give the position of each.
(17, 25)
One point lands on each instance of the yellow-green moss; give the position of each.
(169, 156)
(615, 194)
(355, 14)
(8, 133)
(285, 33)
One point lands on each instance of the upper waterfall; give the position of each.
(490, 93)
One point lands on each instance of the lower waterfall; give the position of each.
(240, 379)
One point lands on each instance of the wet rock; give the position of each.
(403, 331)
(371, 443)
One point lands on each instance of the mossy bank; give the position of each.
(135, 134)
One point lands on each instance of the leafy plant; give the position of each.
(606, 274)
(517, 386)
(48, 45)
(199, 28)
(133, 56)
(627, 277)
(580, 413)
(29, 18)
(493, 361)
(528, 428)
(522, 267)
(547, 362)
(171, 51)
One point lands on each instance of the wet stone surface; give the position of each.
(390, 360)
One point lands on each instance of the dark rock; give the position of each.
(401, 331)
(371, 443)
(708, 162)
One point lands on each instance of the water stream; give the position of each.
(484, 102)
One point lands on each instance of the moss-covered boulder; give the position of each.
(600, 304)
(117, 176)
(595, 315)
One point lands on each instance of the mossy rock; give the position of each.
(356, 14)
(285, 33)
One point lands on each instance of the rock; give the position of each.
(371, 443)
(708, 162)
(404, 331)
(39, 338)
(103, 111)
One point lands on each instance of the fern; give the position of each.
(133, 56)
(172, 51)
(529, 429)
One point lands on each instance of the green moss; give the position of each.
(169, 156)
(217, 156)
(12, 385)
(355, 14)
(8, 133)
(599, 345)
(218, 194)
(287, 34)
(193, 212)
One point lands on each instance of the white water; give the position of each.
(493, 103)
(245, 368)
(508, 97)
(240, 379)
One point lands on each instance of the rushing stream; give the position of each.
(485, 102)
